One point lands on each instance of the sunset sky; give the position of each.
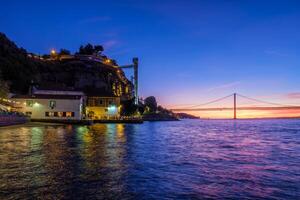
(190, 52)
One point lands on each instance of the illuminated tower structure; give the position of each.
(135, 77)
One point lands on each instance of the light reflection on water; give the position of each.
(189, 159)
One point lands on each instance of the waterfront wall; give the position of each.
(6, 120)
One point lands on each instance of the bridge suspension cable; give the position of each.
(210, 102)
(262, 101)
(275, 106)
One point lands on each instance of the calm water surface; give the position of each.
(190, 159)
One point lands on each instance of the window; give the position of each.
(28, 113)
(60, 114)
(70, 114)
(52, 104)
(29, 103)
(51, 114)
(91, 102)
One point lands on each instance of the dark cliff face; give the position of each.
(92, 77)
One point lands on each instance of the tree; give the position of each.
(86, 50)
(128, 108)
(4, 88)
(46, 56)
(64, 52)
(98, 49)
(151, 103)
(141, 107)
(89, 49)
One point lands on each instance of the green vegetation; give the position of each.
(15, 66)
(152, 112)
(20, 69)
(64, 52)
(151, 103)
(90, 49)
(4, 88)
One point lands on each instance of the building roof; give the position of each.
(56, 87)
(46, 96)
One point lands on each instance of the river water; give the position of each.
(189, 159)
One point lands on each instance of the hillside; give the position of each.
(95, 78)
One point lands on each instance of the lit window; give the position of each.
(60, 114)
(49, 114)
(52, 104)
(29, 103)
(69, 114)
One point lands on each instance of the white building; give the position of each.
(58, 105)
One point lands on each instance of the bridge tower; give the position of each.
(234, 106)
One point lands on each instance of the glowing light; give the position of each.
(107, 60)
(112, 108)
(53, 52)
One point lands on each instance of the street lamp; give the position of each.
(53, 52)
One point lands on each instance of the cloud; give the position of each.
(110, 43)
(274, 52)
(293, 95)
(224, 86)
(95, 19)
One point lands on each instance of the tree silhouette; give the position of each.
(89, 49)
(64, 52)
(151, 103)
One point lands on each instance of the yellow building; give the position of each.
(103, 107)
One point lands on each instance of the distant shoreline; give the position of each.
(260, 118)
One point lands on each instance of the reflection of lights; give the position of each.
(120, 131)
(82, 129)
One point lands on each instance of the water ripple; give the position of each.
(190, 159)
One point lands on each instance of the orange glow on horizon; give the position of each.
(242, 114)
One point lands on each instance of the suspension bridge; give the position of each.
(235, 108)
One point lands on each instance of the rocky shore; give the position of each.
(159, 117)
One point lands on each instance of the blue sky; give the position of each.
(190, 51)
